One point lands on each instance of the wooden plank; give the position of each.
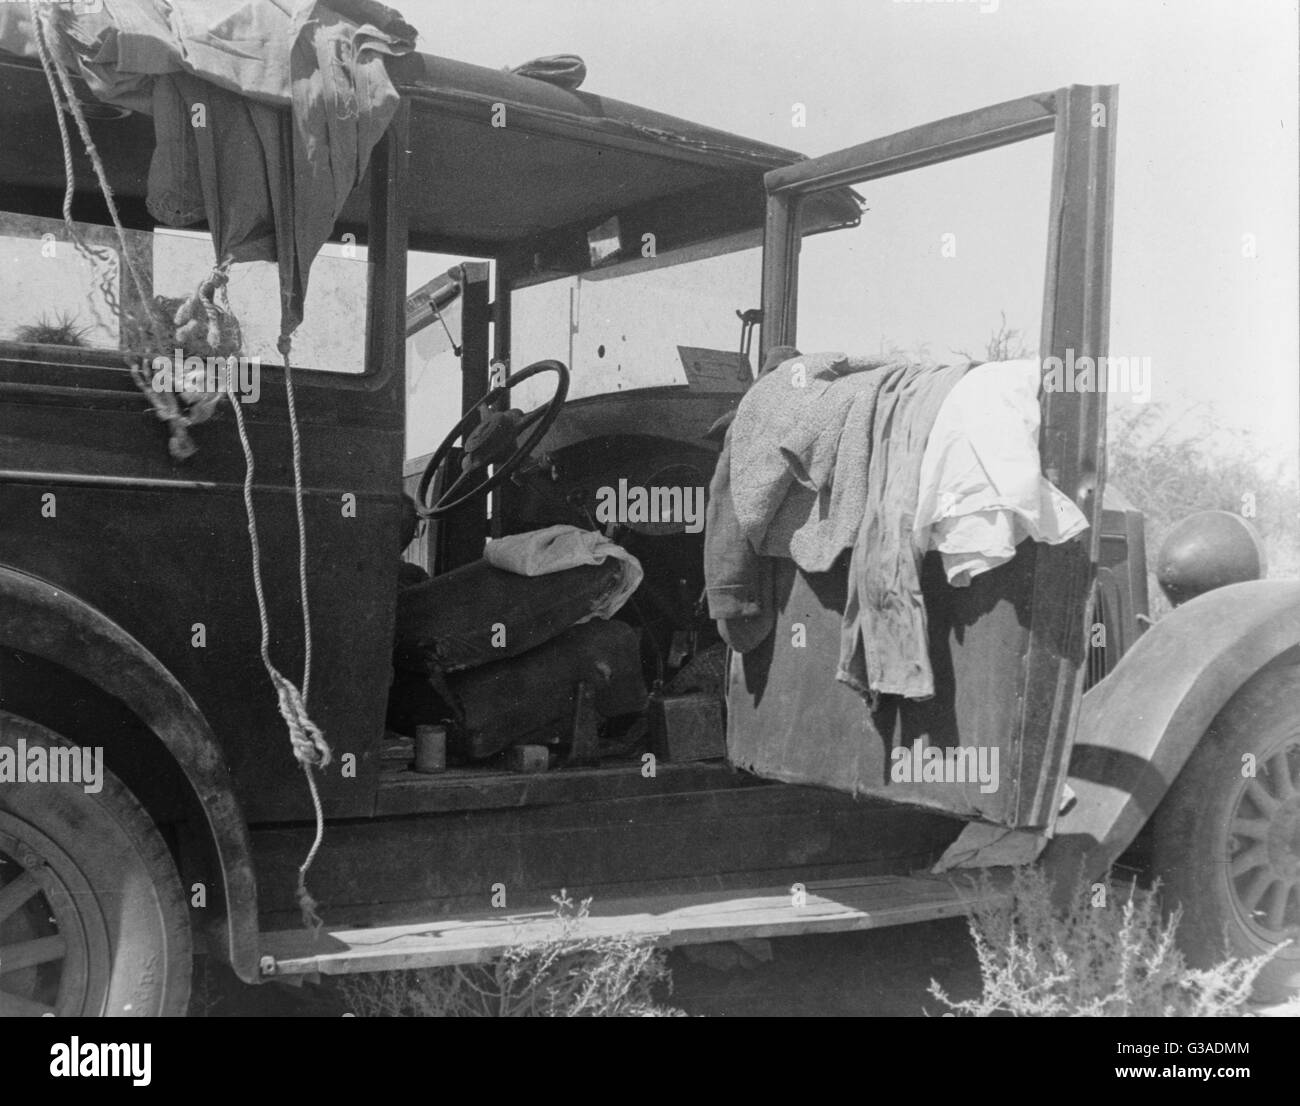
(289, 916)
(831, 907)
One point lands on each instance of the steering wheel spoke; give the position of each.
(461, 484)
(530, 419)
(463, 488)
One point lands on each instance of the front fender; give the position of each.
(38, 618)
(1139, 725)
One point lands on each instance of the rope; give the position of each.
(305, 737)
(73, 107)
(309, 746)
(284, 348)
(164, 401)
(305, 901)
(98, 259)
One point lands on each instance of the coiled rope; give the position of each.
(306, 739)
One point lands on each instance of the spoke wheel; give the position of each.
(47, 945)
(1226, 838)
(1263, 847)
(93, 920)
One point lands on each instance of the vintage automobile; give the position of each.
(129, 624)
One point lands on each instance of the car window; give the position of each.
(943, 265)
(52, 294)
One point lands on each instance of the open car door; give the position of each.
(1008, 650)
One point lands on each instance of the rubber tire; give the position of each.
(132, 892)
(1190, 838)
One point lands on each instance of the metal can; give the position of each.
(430, 748)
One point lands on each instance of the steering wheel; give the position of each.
(491, 442)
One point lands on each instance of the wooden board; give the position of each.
(826, 907)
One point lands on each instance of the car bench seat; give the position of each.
(506, 651)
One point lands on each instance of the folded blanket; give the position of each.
(556, 548)
(800, 444)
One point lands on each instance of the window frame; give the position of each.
(383, 356)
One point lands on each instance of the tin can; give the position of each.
(430, 748)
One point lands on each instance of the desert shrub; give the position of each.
(62, 330)
(1172, 465)
(1170, 470)
(1112, 954)
(569, 974)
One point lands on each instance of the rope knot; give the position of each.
(309, 746)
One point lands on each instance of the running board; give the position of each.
(828, 906)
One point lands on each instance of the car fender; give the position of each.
(1137, 727)
(41, 619)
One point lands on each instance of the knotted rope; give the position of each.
(308, 742)
(196, 405)
(305, 738)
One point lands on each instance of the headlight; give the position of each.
(1209, 550)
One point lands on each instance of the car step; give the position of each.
(826, 906)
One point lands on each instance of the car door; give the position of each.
(1009, 650)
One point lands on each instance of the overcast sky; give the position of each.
(1206, 139)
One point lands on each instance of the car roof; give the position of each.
(563, 162)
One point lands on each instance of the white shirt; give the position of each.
(982, 490)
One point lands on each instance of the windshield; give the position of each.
(633, 325)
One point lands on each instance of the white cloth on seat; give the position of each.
(982, 490)
(556, 548)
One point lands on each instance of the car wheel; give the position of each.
(92, 914)
(1226, 842)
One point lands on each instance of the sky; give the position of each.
(1205, 237)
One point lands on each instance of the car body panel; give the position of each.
(1139, 725)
